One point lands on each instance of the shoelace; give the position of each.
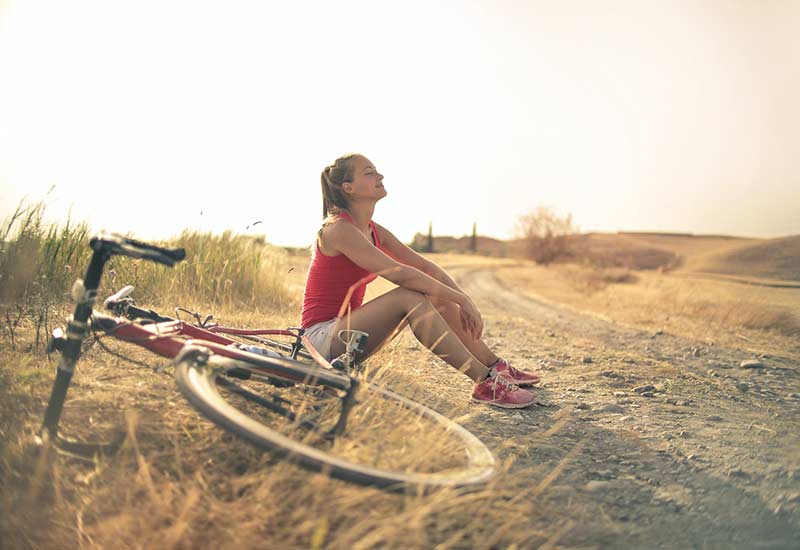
(509, 385)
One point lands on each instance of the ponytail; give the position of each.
(334, 199)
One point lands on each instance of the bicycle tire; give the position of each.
(198, 381)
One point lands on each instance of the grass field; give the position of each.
(180, 482)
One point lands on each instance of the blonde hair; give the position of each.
(332, 178)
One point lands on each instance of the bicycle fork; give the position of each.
(84, 292)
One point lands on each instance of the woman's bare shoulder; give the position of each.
(333, 233)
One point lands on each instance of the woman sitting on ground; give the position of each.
(351, 248)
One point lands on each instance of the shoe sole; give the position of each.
(503, 405)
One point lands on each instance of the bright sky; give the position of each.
(155, 116)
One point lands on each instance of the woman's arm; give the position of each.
(345, 238)
(405, 255)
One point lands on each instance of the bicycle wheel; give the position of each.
(389, 441)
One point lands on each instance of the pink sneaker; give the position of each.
(501, 392)
(520, 378)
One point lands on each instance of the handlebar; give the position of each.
(114, 244)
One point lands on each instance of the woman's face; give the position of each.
(367, 182)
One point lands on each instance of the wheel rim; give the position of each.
(198, 384)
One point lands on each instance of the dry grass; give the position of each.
(717, 309)
(180, 482)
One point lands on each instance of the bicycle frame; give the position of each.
(167, 338)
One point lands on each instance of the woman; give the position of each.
(351, 250)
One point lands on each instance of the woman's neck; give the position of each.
(361, 214)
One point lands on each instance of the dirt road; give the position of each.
(665, 442)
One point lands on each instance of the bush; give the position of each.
(546, 235)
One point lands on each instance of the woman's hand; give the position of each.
(471, 320)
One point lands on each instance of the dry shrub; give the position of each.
(589, 280)
(546, 235)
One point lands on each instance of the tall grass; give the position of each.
(224, 270)
(39, 261)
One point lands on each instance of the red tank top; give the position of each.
(330, 278)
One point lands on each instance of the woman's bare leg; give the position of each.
(390, 312)
(452, 314)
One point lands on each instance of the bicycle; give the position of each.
(245, 388)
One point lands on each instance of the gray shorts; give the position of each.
(321, 336)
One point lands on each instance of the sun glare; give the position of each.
(158, 116)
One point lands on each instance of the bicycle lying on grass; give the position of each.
(322, 418)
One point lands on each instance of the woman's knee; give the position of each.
(445, 307)
(411, 299)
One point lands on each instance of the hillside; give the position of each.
(774, 259)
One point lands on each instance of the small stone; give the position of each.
(752, 364)
(793, 498)
(517, 416)
(552, 335)
(794, 396)
(696, 352)
(647, 394)
(620, 394)
(684, 403)
(647, 388)
(714, 418)
(624, 418)
(587, 359)
(712, 373)
(743, 386)
(737, 472)
(684, 434)
(583, 406)
(611, 408)
(596, 485)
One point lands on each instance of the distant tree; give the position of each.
(473, 243)
(429, 248)
(545, 234)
